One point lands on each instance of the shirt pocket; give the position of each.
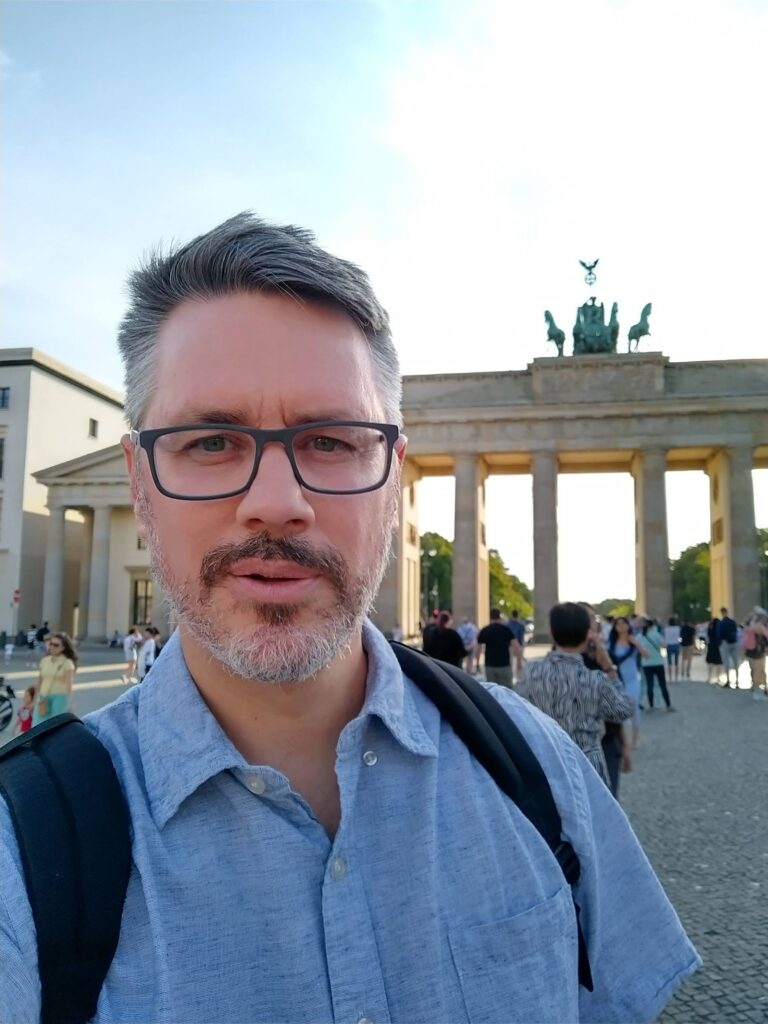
(521, 969)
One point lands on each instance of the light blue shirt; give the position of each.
(436, 901)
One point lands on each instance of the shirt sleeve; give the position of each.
(639, 952)
(614, 706)
(20, 988)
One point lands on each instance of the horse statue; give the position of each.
(640, 329)
(613, 326)
(554, 333)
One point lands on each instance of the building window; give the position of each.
(142, 602)
(2, 456)
(141, 544)
(5, 398)
(93, 428)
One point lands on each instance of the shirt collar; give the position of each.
(182, 744)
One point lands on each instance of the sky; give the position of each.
(467, 154)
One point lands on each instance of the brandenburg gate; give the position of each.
(634, 412)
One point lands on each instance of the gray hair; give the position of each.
(248, 254)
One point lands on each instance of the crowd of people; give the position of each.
(55, 656)
(591, 682)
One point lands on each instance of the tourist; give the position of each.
(56, 677)
(623, 649)
(652, 661)
(147, 652)
(310, 840)
(518, 632)
(562, 687)
(468, 633)
(728, 642)
(672, 642)
(713, 659)
(25, 713)
(756, 649)
(687, 647)
(497, 646)
(131, 644)
(444, 643)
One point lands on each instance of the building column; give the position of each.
(398, 598)
(653, 576)
(85, 574)
(734, 565)
(545, 571)
(471, 584)
(53, 580)
(99, 588)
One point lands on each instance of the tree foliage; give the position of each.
(690, 583)
(616, 606)
(507, 591)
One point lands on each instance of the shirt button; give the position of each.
(370, 759)
(256, 784)
(339, 867)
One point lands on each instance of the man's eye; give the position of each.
(212, 444)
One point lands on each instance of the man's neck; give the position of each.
(292, 727)
(571, 650)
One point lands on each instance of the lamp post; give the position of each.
(426, 561)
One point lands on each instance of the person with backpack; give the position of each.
(728, 642)
(755, 642)
(322, 826)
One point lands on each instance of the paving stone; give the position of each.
(697, 801)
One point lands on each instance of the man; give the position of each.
(496, 644)
(562, 686)
(728, 641)
(755, 649)
(687, 647)
(468, 633)
(311, 842)
(518, 632)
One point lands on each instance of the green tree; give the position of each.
(616, 606)
(507, 591)
(436, 572)
(690, 583)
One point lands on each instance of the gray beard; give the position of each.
(274, 647)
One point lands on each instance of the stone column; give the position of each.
(545, 572)
(85, 573)
(53, 580)
(398, 597)
(653, 576)
(471, 584)
(99, 589)
(734, 580)
(745, 566)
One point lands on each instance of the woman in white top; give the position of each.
(672, 642)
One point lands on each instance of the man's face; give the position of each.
(273, 582)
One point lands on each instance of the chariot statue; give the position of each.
(590, 332)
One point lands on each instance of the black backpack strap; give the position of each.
(73, 830)
(496, 742)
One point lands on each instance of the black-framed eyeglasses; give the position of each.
(202, 461)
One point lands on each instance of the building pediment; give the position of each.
(102, 467)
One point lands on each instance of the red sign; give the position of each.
(16, 595)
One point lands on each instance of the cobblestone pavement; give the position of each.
(698, 801)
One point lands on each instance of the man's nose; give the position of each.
(276, 500)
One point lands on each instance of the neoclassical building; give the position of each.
(638, 414)
(634, 413)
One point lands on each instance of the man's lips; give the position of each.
(255, 568)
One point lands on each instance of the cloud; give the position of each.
(532, 135)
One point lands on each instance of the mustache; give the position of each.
(217, 562)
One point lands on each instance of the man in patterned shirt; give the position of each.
(577, 698)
